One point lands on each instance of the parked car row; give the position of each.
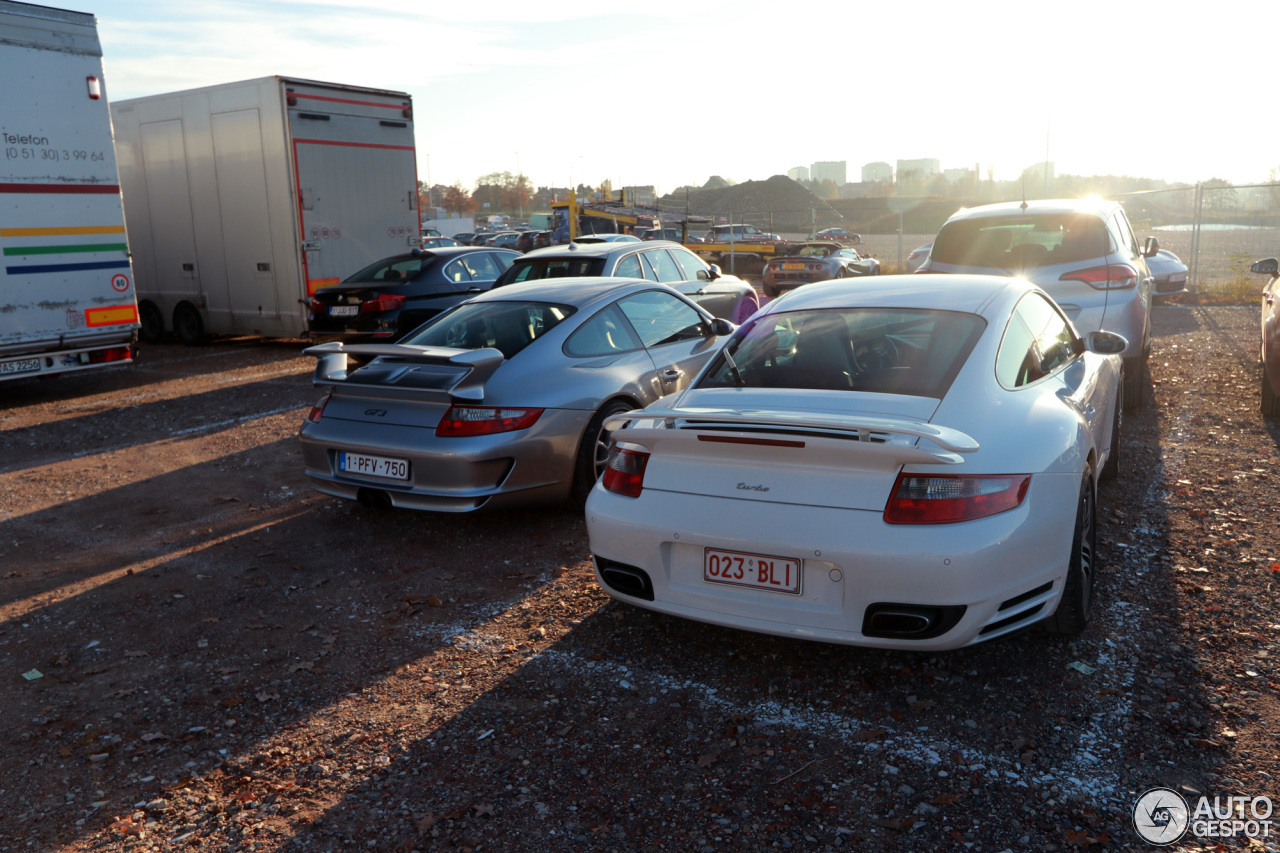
(793, 469)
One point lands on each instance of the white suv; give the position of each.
(1081, 251)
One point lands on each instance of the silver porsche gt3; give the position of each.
(502, 400)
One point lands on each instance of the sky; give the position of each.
(671, 93)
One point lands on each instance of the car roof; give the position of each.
(970, 294)
(1097, 206)
(452, 251)
(595, 250)
(579, 291)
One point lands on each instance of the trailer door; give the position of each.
(356, 178)
(168, 271)
(246, 224)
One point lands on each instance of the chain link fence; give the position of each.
(1218, 231)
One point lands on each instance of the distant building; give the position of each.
(545, 195)
(645, 196)
(957, 176)
(829, 170)
(800, 174)
(873, 172)
(922, 168)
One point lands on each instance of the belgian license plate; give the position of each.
(793, 266)
(373, 466)
(26, 365)
(757, 571)
(344, 310)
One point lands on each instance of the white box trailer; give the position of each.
(245, 198)
(66, 289)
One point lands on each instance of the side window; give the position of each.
(1126, 233)
(481, 266)
(604, 334)
(1037, 342)
(457, 272)
(661, 318)
(665, 269)
(689, 262)
(629, 267)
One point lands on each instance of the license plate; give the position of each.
(793, 266)
(757, 571)
(373, 466)
(27, 365)
(344, 310)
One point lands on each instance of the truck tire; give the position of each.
(189, 325)
(152, 331)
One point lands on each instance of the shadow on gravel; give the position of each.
(190, 622)
(115, 428)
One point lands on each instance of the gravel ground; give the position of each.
(201, 652)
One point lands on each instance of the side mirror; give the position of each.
(703, 275)
(1106, 343)
(1265, 267)
(1150, 247)
(721, 327)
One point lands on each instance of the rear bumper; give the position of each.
(464, 474)
(1006, 571)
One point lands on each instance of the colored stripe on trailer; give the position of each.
(314, 284)
(73, 189)
(66, 250)
(39, 268)
(302, 97)
(113, 316)
(62, 231)
(351, 144)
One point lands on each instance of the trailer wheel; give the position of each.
(189, 325)
(152, 321)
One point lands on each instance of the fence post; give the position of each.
(1195, 236)
(902, 262)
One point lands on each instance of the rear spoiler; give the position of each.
(868, 430)
(479, 364)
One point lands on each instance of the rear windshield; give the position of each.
(535, 268)
(395, 269)
(506, 326)
(889, 351)
(1022, 242)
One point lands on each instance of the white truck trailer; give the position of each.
(243, 199)
(66, 287)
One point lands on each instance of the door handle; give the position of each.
(1089, 411)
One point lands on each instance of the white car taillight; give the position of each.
(624, 473)
(948, 498)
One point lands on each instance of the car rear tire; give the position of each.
(1134, 369)
(189, 325)
(593, 452)
(1076, 606)
(152, 322)
(1270, 400)
(1112, 469)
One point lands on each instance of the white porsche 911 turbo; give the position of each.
(904, 462)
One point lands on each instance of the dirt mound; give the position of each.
(784, 202)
